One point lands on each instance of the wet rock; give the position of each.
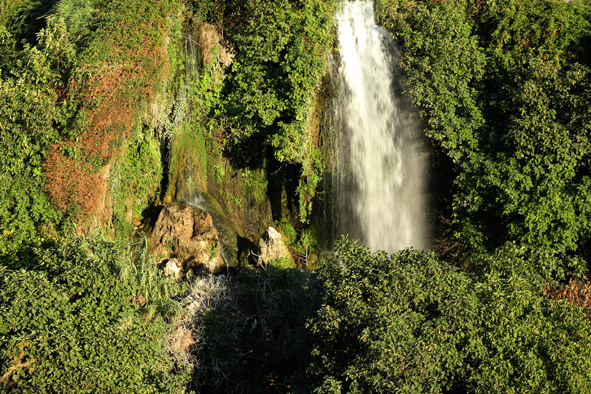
(186, 234)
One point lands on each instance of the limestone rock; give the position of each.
(187, 234)
(209, 39)
(171, 268)
(272, 247)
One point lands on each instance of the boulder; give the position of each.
(171, 268)
(186, 234)
(272, 247)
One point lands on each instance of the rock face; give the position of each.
(186, 234)
(209, 39)
(272, 247)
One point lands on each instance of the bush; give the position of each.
(503, 87)
(409, 323)
(82, 317)
(31, 111)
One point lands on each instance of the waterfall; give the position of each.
(378, 162)
(192, 52)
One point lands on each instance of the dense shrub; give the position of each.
(83, 317)
(409, 323)
(503, 87)
(31, 110)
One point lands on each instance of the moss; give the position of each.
(188, 166)
(135, 180)
(282, 264)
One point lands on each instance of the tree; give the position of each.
(503, 86)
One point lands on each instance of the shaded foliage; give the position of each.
(269, 92)
(253, 331)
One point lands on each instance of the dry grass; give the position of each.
(17, 364)
(72, 182)
(209, 39)
(208, 294)
(577, 292)
(246, 330)
(181, 344)
(185, 340)
(80, 184)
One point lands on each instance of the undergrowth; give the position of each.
(87, 315)
(252, 330)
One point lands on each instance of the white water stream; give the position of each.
(379, 164)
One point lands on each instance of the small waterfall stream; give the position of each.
(379, 161)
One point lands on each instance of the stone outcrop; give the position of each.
(171, 268)
(209, 40)
(272, 247)
(187, 235)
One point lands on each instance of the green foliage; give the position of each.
(305, 241)
(444, 64)
(503, 87)
(20, 21)
(136, 176)
(408, 323)
(310, 179)
(390, 324)
(23, 205)
(50, 85)
(270, 88)
(254, 184)
(78, 314)
(540, 178)
(281, 50)
(86, 318)
(77, 14)
(526, 342)
(33, 114)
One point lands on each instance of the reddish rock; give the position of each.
(187, 234)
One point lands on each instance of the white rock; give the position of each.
(172, 269)
(272, 247)
(273, 234)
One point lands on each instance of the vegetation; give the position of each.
(253, 330)
(86, 316)
(82, 313)
(504, 88)
(409, 323)
(69, 97)
(268, 96)
(102, 116)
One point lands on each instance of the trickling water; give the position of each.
(226, 232)
(379, 161)
(192, 53)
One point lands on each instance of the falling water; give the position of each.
(379, 160)
(192, 52)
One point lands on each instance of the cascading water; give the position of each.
(378, 164)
